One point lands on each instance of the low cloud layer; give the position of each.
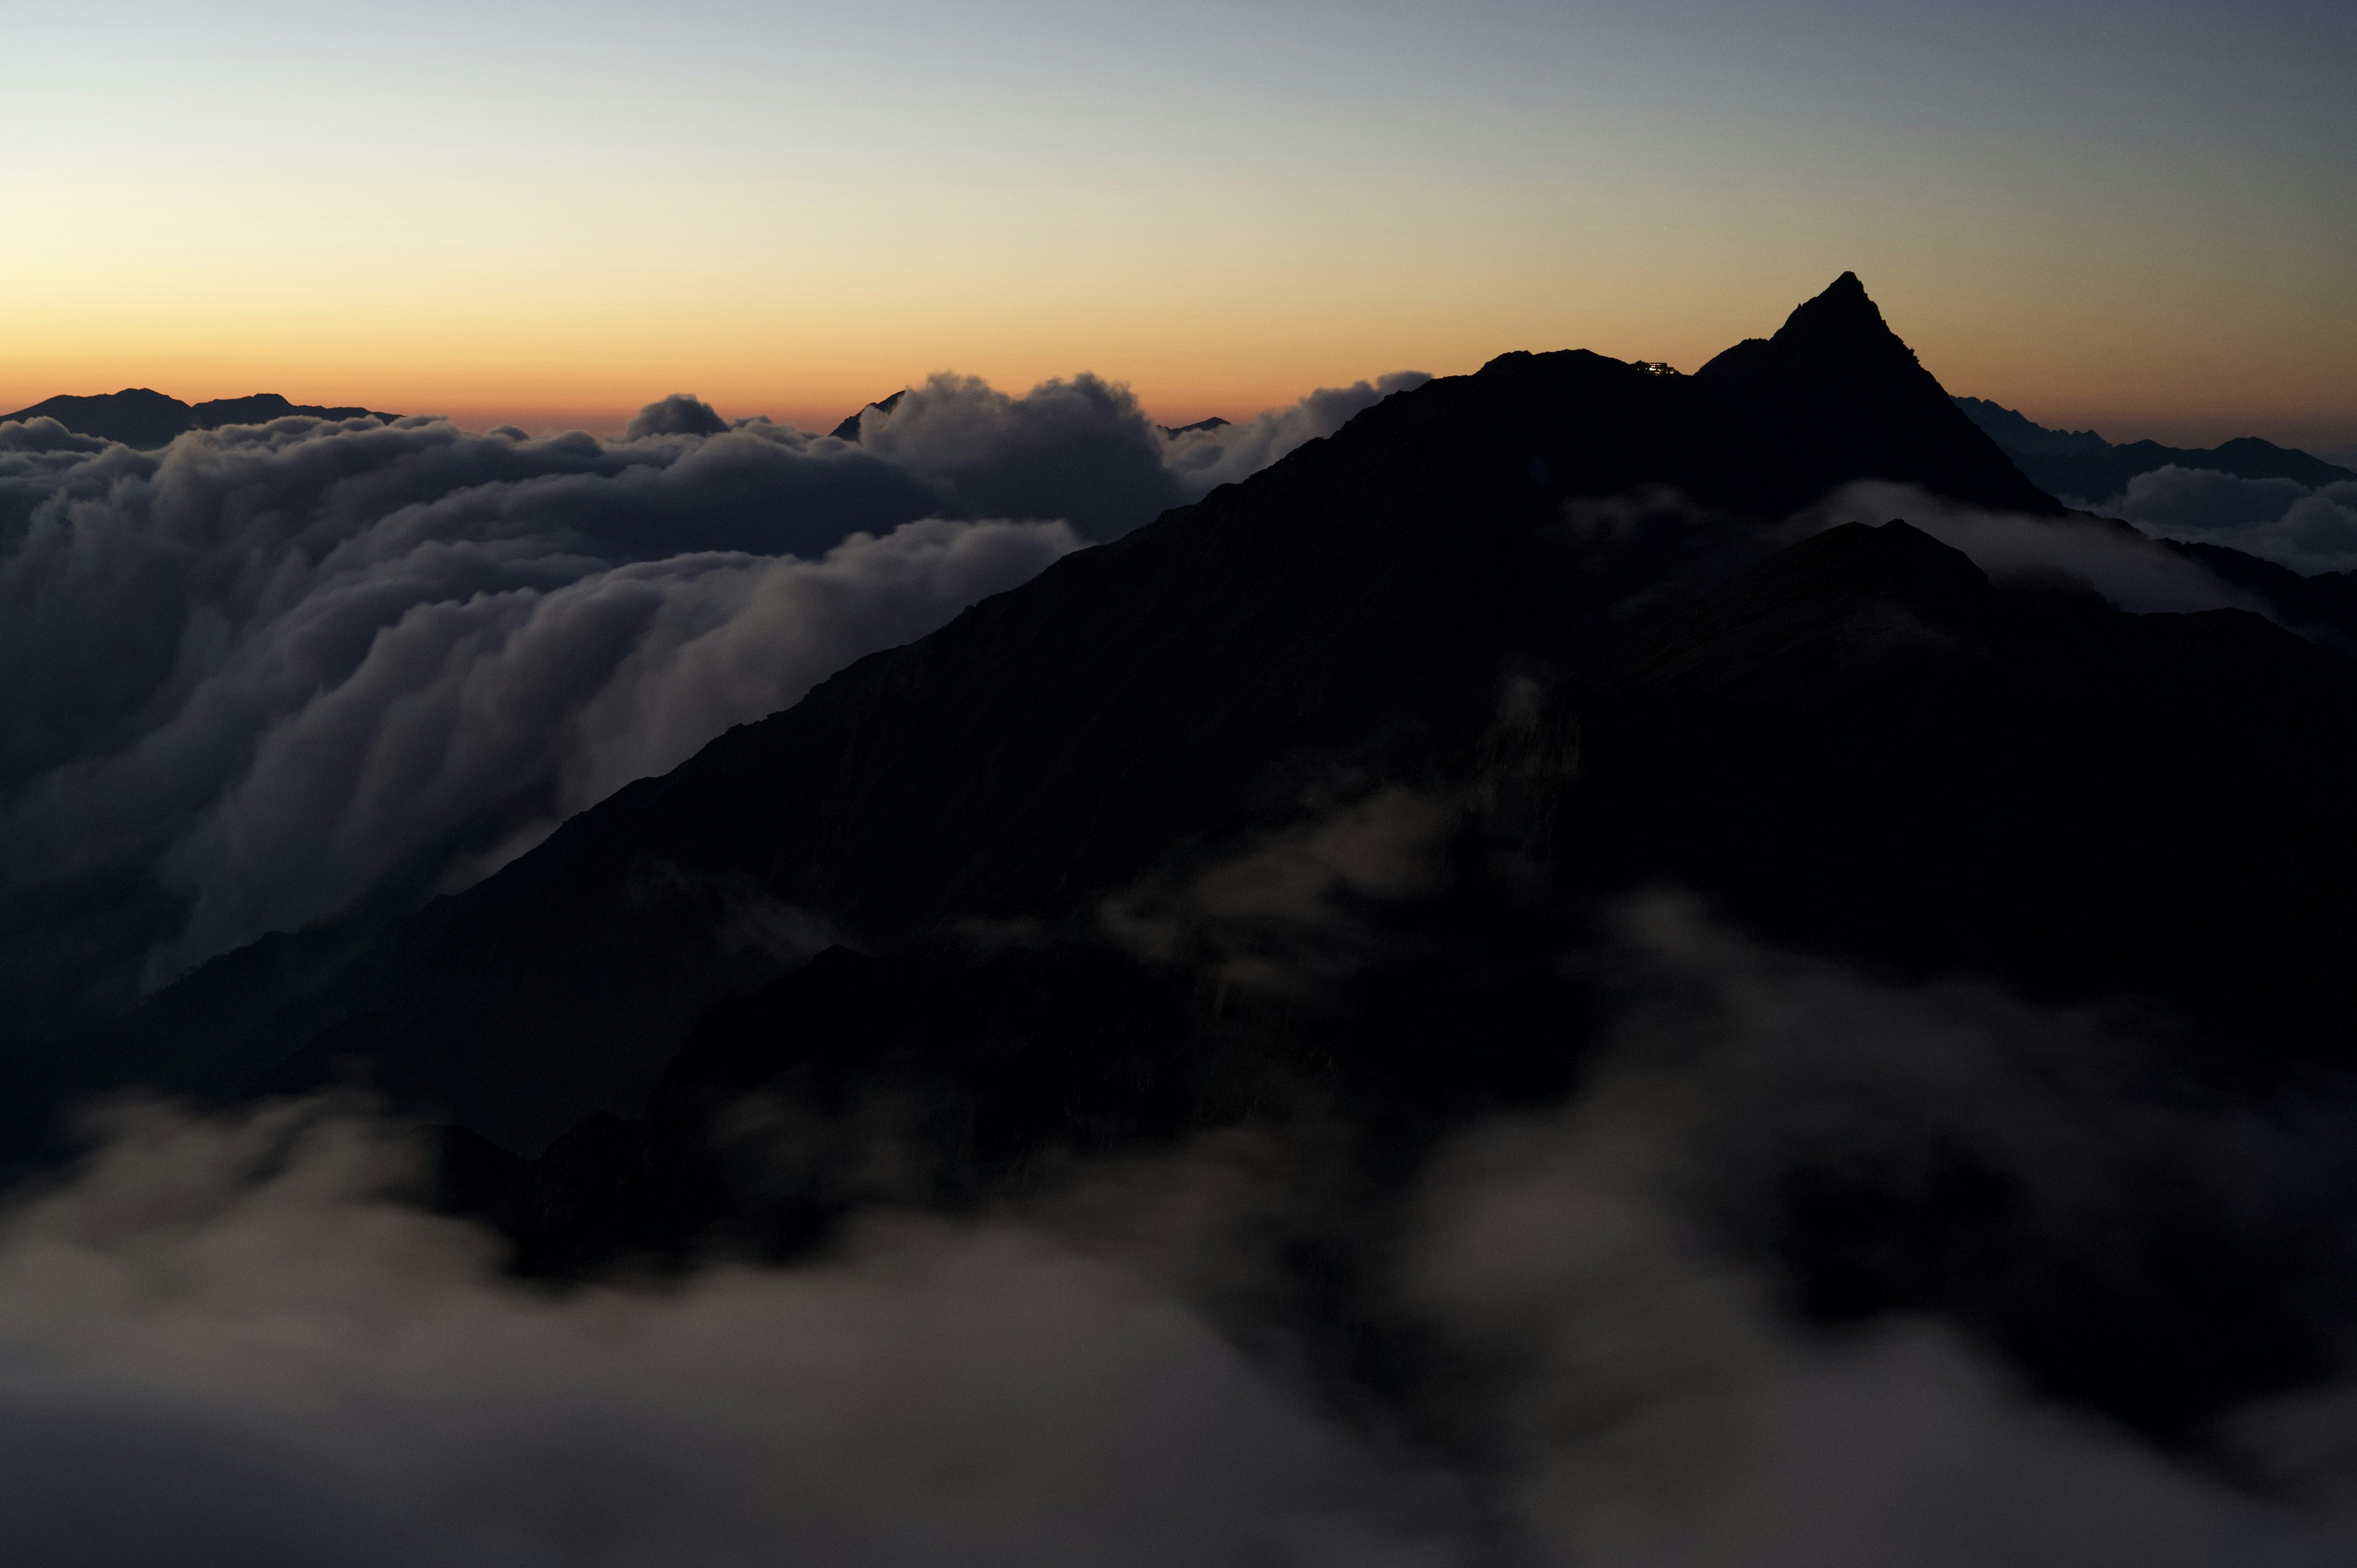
(265, 669)
(2308, 529)
(1604, 1270)
(2129, 571)
(224, 1345)
(236, 1321)
(281, 665)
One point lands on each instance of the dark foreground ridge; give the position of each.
(138, 417)
(1436, 695)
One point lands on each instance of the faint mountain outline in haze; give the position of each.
(141, 417)
(2082, 465)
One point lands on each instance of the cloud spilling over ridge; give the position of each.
(267, 669)
(280, 665)
(1084, 450)
(237, 1314)
(2130, 572)
(2308, 529)
(1208, 458)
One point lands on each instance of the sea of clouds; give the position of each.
(252, 677)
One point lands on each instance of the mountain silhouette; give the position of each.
(139, 417)
(1357, 601)
(2082, 463)
(1549, 625)
(1839, 384)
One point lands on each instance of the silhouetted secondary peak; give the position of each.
(139, 416)
(260, 408)
(1810, 622)
(136, 416)
(2082, 464)
(849, 429)
(1894, 558)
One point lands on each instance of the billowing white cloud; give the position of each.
(232, 1325)
(280, 665)
(1208, 458)
(678, 415)
(1084, 451)
(1081, 450)
(1601, 1271)
(271, 668)
(2310, 531)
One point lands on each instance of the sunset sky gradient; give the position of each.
(2137, 217)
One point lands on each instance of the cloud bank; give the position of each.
(265, 669)
(230, 1322)
(2310, 531)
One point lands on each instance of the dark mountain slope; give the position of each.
(1859, 744)
(1349, 613)
(1864, 745)
(2082, 464)
(138, 417)
(1312, 810)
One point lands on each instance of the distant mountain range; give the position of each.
(2077, 464)
(2082, 466)
(139, 417)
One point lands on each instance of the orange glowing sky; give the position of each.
(2139, 218)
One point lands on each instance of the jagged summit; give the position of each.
(1841, 329)
(1838, 381)
(1845, 292)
